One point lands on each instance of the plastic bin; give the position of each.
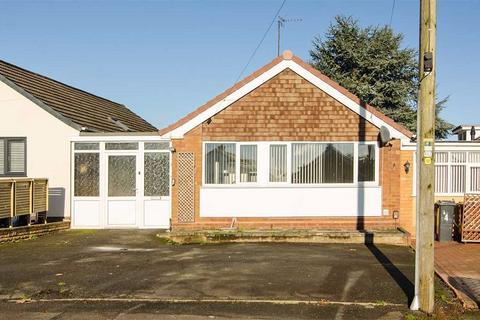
(445, 218)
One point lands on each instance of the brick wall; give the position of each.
(289, 108)
(407, 201)
(390, 168)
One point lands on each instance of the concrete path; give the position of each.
(134, 267)
(459, 265)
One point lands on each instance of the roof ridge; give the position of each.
(59, 82)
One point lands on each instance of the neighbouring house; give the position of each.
(93, 151)
(467, 132)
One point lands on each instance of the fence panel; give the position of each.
(471, 218)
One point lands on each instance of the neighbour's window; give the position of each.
(457, 184)
(220, 163)
(86, 174)
(322, 163)
(13, 156)
(457, 172)
(278, 163)
(248, 163)
(441, 178)
(366, 162)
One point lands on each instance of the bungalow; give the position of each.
(94, 152)
(287, 147)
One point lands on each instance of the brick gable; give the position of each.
(288, 107)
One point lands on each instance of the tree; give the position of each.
(371, 63)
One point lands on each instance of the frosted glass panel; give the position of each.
(157, 175)
(121, 146)
(121, 176)
(87, 174)
(87, 146)
(157, 145)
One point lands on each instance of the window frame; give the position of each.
(6, 168)
(263, 165)
(467, 164)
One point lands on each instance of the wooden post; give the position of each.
(424, 277)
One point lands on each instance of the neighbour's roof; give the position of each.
(78, 108)
(465, 127)
(287, 55)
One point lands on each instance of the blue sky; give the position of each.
(166, 58)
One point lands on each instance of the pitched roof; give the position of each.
(287, 56)
(75, 107)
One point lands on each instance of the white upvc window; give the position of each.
(280, 163)
(321, 163)
(457, 172)
(13, 157)
(220, 159)
(248, 163)
(278, 166)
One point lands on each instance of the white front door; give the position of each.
(156, 189)
(123, 177)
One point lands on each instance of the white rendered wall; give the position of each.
(48, 145)
(290, 201)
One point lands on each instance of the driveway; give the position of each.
(134, 265)
(459, 265)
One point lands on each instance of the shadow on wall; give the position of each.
(56, 202)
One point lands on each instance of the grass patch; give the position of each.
(447, 307)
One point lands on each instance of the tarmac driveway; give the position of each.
(136, 264)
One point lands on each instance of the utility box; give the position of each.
(445, 217)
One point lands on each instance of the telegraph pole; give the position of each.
(424, 263)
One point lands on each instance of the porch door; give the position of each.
(122, 189)
(156, 198)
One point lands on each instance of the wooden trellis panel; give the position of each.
(471, 218)
(186, 187)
